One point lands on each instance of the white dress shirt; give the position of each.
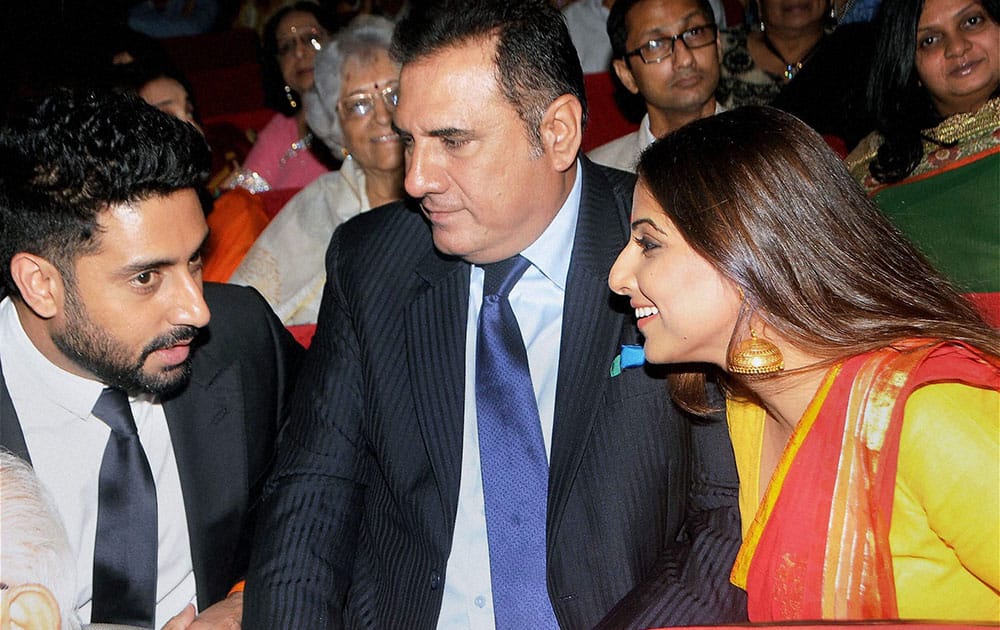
(66, 443)
(623, 153)
(537, 302)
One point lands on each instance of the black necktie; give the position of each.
(124, 589)
(512, 457)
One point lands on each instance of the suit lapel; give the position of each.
(11, 436)
(591, 332)
(435, 344)
(208, 437)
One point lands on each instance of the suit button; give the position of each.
(435, 580)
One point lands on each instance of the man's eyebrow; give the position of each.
(451, 132)
(139, 266)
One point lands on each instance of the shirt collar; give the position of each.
(646, 136)
(551, 252)
(75, 394)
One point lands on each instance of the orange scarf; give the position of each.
(823, 551)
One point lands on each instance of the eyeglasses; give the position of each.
(656, 50)
(360, 105)
(312, 38)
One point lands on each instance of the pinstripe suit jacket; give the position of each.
(361, 508)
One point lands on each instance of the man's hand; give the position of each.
(224, 615)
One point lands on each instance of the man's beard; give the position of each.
(97, 351)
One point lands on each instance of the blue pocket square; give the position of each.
(630, 357)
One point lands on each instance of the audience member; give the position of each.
(587, 23)
(37, 569)
(168, 94)
(794, 56)
(668, 52)
(350, 109)
(828, 94)
(763, 55)
(159, 84)
(236, 218)
(863, 389)
(932, 165)
(281, 156)
(151, 427)
(388, 506)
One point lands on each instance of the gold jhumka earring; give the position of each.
(755, 356)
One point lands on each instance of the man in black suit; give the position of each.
(101, 232)
(380, 511)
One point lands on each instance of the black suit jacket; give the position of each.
(222, 427)
(361, 509)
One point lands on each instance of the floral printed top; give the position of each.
(741, 80)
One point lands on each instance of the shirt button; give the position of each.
(435, 580)
(480, 601)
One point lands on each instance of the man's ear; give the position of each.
(625, 75)
(40, 283)
(32, 607)
(562, 131)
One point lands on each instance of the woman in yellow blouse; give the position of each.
(864, 391)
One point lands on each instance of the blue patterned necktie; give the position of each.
(124, 589)
(512, 456)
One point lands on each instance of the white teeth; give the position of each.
(646, 311)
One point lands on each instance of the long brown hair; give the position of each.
(761, 196)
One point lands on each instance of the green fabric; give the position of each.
(954, 217)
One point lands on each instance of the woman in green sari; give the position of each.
(933, 166)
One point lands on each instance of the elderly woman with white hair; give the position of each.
(350, 108)
(37, 568)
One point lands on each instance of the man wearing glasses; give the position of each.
(669, 52)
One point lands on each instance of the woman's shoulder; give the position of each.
(278, 128)
(741, 80)
(858, 160)
(966, 134)
(736, 57)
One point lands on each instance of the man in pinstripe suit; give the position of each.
(374, 514)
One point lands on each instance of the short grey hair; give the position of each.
(365, 36)
(34, 548)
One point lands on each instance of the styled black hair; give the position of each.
(68, 156)
(618, 32)
(536, 61)
(901, 106)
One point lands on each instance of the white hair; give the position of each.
(34, 548)
(361, 39)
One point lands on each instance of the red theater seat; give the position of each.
(606, 121)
